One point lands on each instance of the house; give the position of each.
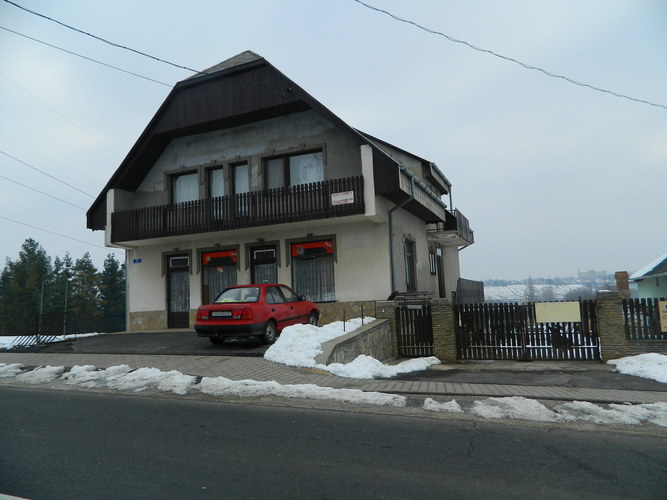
(243, 177)
(652, 279)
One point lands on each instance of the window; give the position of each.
(307, 168)
(218, 273)
(432, 262)
(263, 264)
(216, 183)
(313, 270)
(294, 170)
(410, 280)
(241, 187)
(184, 187)
(275, 173)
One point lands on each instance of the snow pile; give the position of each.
(41, 375)
(516, 407)
(650, 365)
(123, 378)
(449, 407)
(10, 371)
(299, 345)
(221, 386)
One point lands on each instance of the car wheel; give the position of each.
(216, 340)
(312, 319)
(269, 335)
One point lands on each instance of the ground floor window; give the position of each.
(218, 273)
(313, 270)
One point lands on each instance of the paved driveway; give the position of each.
(167, 343)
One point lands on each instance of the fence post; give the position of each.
(444, 337)
(386, 309)
(611, 325)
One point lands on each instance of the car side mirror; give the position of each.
(303, 297)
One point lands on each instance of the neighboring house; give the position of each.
(243, 177)
(652, 279)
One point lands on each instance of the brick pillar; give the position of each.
(622, 283)
(444, 339)
(385, 309)
(611, 325)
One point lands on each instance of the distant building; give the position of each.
(592, 275)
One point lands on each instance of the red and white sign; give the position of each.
(344, 198)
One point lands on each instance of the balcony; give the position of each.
(455, 231)
(318, 200)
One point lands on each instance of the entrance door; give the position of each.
(178, 291)
(440, 272)
(264, 264)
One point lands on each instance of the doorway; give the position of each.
(178, 291)
(264, 264)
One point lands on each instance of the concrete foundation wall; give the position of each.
(372, 340)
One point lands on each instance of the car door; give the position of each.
(295, 306)
(278, 308)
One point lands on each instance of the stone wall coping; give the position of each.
(329, 347)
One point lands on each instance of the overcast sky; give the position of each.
(554, 177)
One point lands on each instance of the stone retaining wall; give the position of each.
(374, 339)
(336, 311)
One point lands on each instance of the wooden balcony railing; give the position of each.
(318, 200)
(458, 223)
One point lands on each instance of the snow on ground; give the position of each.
(299, 345)
(8, 342)
(650, 365)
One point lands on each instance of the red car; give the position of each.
(254, 311)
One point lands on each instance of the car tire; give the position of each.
(269, 335)
(312, 318)
(216, 340)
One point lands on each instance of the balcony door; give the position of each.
(178, 291)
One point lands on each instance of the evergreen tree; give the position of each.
(23, 282)
(60, 288)
(84, 298)
(112, 292)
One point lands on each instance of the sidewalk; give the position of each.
(257, 368)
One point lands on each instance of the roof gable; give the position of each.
(657, 267)
(242, 89)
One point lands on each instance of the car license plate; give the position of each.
(221, 314)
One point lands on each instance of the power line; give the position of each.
(61, 235)
(85, 57)
(41, 192)
(101, 39)
(516, 61)
(44, 173)
(50, 159)
(59, 114)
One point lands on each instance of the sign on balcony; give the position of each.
(344, 198)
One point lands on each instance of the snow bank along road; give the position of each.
(299, 345)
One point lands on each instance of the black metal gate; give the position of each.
(510, 331)
(414, 325)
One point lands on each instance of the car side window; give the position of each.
(290, 296)
(273, 295)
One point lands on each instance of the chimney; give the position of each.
(622, 283)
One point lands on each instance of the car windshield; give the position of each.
(244, 294)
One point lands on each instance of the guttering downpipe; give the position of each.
(391, 227)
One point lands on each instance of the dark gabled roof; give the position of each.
(243, 89)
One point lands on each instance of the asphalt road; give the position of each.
(74, 445)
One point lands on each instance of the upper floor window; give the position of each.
(294, 170)
(184, 187)
(216, 182)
